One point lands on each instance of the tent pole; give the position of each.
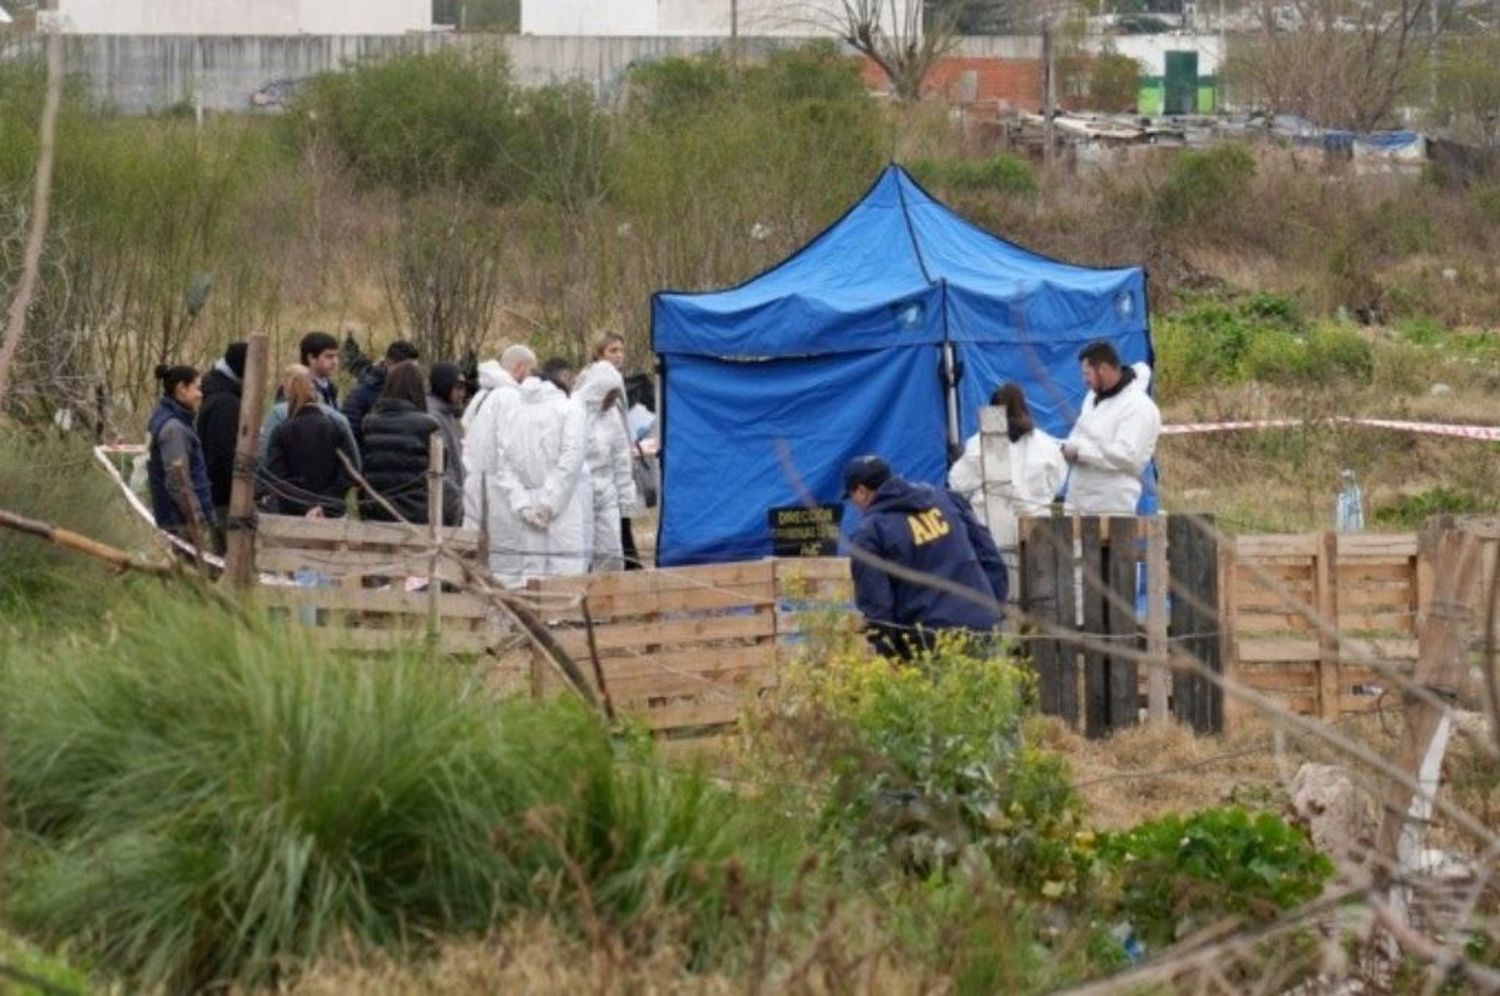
(950, 380)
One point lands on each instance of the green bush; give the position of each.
(1205, 185)
(204, 799)
(54, 480)
(1114, 83)
(1339, 351)
(1179, 874)
(415, 122)
(1004, 174)
(927, 762)
(1412, 511)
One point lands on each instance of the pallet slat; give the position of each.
(284, 531)
(459, 605)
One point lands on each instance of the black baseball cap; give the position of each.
(869, 470)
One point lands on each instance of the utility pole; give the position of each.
(734, 35)
(1049, 88)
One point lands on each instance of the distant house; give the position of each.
(692, 18)
(244, 17)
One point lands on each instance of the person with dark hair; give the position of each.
(445, 402)
(1025, 483)
(930, 530)
(560, 372)
(173, 440)
(319, 353)
(304, 474)
(1114, 437)
(218, 425)
(397, 436)
(371, 384)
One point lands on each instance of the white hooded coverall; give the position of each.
(608, 462)
(1037, 469)
(539, 470)
(1116, 439)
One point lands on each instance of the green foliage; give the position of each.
(420, 121)
(1468, 87)
(1411, 511)
(203, 798)
(52, 479)
(51, 969)
(1003, 174)
(1487, 200)
(1114, 82)
(1261, 338)
(1206, 185)
(927, 762)
(1178, 874)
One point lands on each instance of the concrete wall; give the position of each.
(1151, 50)
(142, 73)
(244, 17)
(690, 18)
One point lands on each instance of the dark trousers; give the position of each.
(627, 547)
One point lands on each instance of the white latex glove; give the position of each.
(1070, 451)
(536, 516)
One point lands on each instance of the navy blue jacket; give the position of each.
(172, 435)
(362, 400)
(934, 531)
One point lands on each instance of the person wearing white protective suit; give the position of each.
(600, 389)
(542, 523)
(1036, 468)
(1114, 437)
(482, 420)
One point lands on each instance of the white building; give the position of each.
(244, 17)
(694, 18)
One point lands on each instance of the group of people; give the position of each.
(911, 533)
(542, 461)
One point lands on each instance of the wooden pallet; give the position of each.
(364, 603)
(681, 650)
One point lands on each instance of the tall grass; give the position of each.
(203, 799)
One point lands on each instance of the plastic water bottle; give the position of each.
(1349, 514)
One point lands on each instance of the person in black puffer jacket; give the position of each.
(218, 422)
(361, 400)
(304, 473)
(397, 434)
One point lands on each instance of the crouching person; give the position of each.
(930, 531)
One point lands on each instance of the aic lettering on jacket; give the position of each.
(928, 526)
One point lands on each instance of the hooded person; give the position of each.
(599, 388)
(483, 419)
(1036, 469)
(372, 385)
(541, 525)
(445, 398)
(303, 472)
(218, 422)
(1115, 435)
(925, 529)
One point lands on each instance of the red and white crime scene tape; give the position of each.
(1488, 433)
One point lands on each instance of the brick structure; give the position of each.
(1015, 83)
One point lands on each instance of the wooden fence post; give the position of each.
(1193, 561)
(1095, 574)
(1442, 642)
(239, 530)
(1326, 599)
(434, 530)
(1124, 675)
(1158, 679)
(1049, 596)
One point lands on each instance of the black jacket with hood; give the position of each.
(217, 426)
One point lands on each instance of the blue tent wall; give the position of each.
(795, 420)
(835, 352)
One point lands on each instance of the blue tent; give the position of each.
(885, 334)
